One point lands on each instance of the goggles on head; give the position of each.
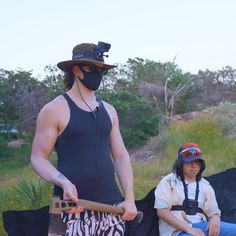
(190, 151)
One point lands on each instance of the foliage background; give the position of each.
(148, 96)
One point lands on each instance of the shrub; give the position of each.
(138, 119)
(225, 117)
(32, 194)
(218, 149)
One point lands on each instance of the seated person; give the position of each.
(186, 202)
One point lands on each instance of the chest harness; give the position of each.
(189, 206)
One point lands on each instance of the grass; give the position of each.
(217, 148)
(16, 174)
(34, 192)
(218, 151)
(147, 175)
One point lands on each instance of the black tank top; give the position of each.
(84, 155)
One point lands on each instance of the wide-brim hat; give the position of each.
(190, 152)
(87, 53)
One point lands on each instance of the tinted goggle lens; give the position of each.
(93, 69)
(190, 152)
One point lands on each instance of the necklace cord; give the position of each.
(93, 111)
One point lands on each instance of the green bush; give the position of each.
(138, 119)
(202, 131)
(31, 194)
(224, 116)
(217, 148)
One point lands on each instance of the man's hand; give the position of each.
(70, 192)
(214, 226)
(130, 210)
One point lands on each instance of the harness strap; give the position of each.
(186, 190)
(187, 206)
(182, 208)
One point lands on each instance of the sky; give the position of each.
(197, 34)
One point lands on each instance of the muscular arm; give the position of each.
(43, 144)
(123, 168)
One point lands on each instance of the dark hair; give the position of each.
(178, 169)
(68, 79)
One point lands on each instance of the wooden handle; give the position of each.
(96, 206)
(58, 205)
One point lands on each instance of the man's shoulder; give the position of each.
(58, 100)
(110, 109)
(106, 104)
(54, 105)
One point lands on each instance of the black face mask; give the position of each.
(92, 79)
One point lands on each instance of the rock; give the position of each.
(16, 143)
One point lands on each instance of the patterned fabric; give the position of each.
(92, 223)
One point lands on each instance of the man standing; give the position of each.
(85, 134)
